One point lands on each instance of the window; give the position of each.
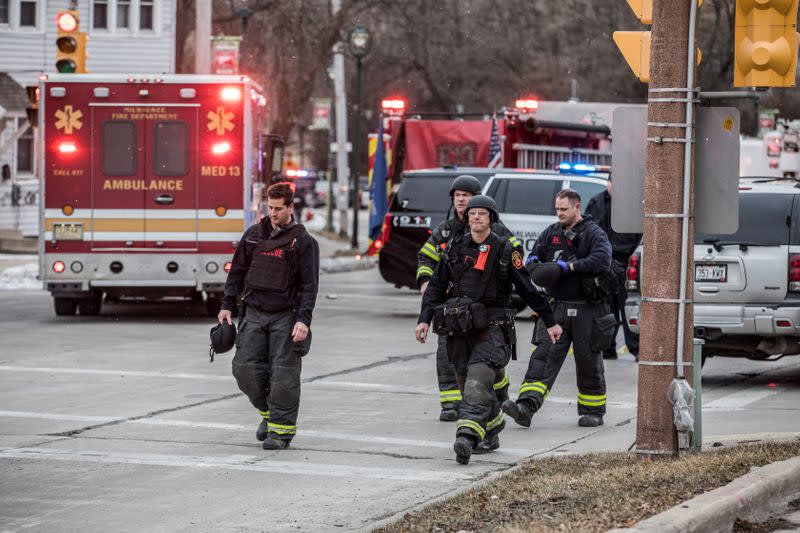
(123, 14)
(100, 15)
(531, 197)
(170, 153)
(586, 190)
(4, 18)
(146, 14)
(25, 150)
(763, 219)
(424, 193)
(27, 14)
(119, 148)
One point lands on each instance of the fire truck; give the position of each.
(147, 184)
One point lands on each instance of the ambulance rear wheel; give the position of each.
(213, 305)
(65, 306)
(91, 306)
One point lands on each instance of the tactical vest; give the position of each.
(563, 244)
(480, 276)
(274, 262)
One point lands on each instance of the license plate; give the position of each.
(406, 221)
(68, 232)
(718, 273)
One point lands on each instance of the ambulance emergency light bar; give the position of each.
(582, 168)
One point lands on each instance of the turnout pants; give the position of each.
(479, 360)
(267, 368)
(449, 390)
(617, 305)
(576, 320)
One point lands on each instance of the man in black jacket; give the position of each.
(582, 251)
(462, 189)
(622, 247)
(276, 269)
(470, 293)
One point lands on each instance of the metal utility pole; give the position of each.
(202, 37)
(668, 280)
(340, 105)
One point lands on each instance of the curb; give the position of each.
(756, 496)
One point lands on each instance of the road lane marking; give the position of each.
(65, 417)
(102, 372)
(737, 401)
(250, 463)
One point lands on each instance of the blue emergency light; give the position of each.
(578, 168)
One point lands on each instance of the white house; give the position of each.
(127, 36)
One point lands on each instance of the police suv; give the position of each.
(746, 285)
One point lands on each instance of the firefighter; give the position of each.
(276, 270)
(469, 294)
(582, 251)
(622, 247)
(463, 188)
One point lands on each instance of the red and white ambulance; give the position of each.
(147, 184)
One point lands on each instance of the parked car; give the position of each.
(746, 285)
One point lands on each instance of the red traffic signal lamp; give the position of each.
(70, 43)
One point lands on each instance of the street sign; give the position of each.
(321, 114)
(716, 169)
(225, 55)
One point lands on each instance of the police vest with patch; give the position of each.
(274, 262)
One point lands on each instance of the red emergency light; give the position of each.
(527, 104)
(67, 147)
(66, 22)
(221, 148)
(58, 267)
(393, 106)
(231, 94)
(227, 267)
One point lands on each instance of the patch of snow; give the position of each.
(20, 277)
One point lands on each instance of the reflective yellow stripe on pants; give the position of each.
(589, 400)
(282, 429)
(471, 424)
(450, 396)
(503, 382)
(535, 386)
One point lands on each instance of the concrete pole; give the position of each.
(661, 268)
(342, 164)
(202, 37)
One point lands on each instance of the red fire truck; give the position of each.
(147, 184)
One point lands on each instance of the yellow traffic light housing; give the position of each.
(70, 43)
(765, 43)
(635, 45)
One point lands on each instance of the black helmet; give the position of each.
(223, 337)
(485, 202)
(466, 183)
(545, 275)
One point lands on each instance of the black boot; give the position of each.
(611, 353)
(489, 444)
(590, 421)
(263, 430)
(463, 449)
(272, 443)
(519, 411)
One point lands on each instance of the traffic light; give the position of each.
(765, 43)
(70, 43)
(32, 111)
(635, 45)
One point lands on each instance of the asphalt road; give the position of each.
(119, 422)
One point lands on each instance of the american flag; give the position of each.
(495, 154)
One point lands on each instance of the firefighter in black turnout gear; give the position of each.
(622, 247)
(276, 270)
(582, 251)
(468, 300)
(463, 188)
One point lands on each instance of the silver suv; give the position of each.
(526, 198)
(747, 285)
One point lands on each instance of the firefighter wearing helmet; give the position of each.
(468, 301)
(463, 188)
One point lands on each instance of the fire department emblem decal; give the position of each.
(220, 120)
(516, 259)
(68, 119)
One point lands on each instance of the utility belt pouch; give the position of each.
(454, 317)
(603, 327)
(480, 316)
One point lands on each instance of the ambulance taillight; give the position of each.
(67, 147)
(231, 94)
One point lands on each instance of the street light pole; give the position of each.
(244, 10)
(359, 46)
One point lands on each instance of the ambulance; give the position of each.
(147, 183)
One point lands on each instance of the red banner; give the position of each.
(436, 143)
